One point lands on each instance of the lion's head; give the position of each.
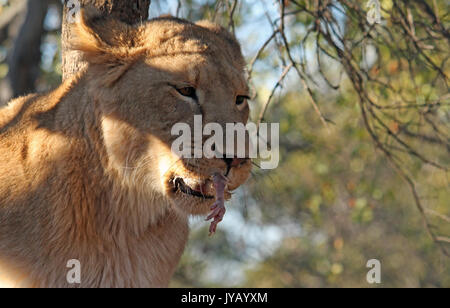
(146, 78)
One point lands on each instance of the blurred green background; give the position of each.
(336, 200)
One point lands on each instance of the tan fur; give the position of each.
(85, 169)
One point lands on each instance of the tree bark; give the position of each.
(128, 11)
(23, 63)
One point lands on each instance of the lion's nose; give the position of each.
(234, 162)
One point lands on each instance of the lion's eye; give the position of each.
(240, 100)
(188, 92)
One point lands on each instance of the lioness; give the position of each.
(87, 171)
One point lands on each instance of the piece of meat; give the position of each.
(218, 208)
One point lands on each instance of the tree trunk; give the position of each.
(128, 11)
(23, 63)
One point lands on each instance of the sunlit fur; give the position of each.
(86, 169)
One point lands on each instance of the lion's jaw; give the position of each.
(147, 166)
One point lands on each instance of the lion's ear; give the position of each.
(106, 41)
(102, 38)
